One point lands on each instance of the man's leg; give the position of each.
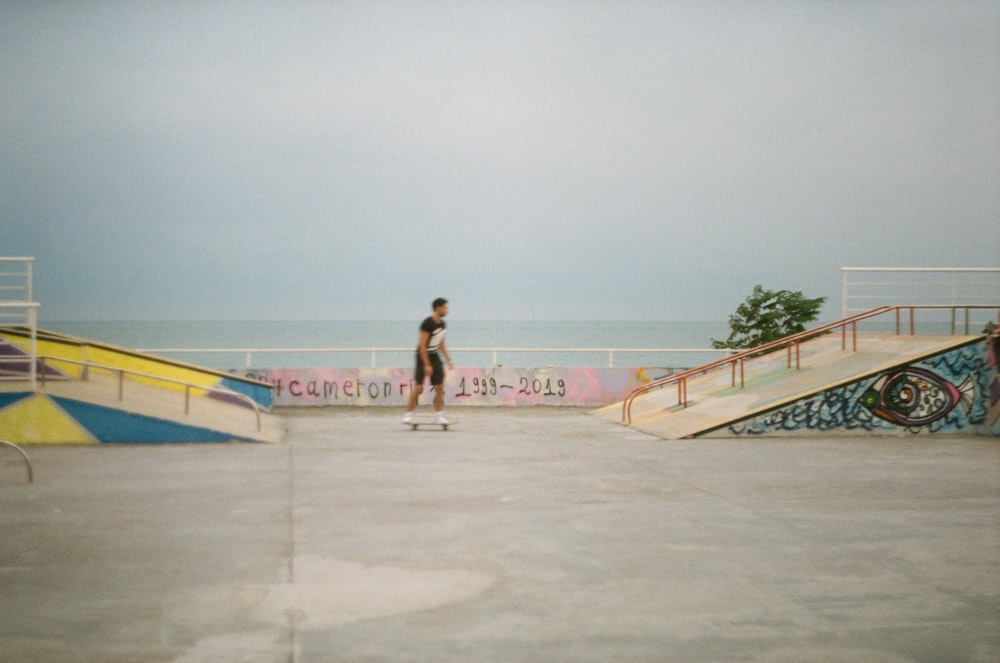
(439, 405)
(437, 381)
(412, 403)
(414, 395)
(418, 388)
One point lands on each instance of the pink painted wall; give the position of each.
(501, 386)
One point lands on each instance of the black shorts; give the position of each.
(437, 378)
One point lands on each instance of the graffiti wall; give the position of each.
(955, 392)
(500, 386)
(993, 378)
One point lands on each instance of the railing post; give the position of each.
(248, 358)
(913, 325)
(843, 293)
(33, 324)
(28, 267)
(611, 358)
(121, 386)
(373, 357)
(187, 399)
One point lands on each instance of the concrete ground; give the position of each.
(518, 535)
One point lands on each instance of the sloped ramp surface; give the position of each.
(150, 414)
(713, 402)
(125, 401)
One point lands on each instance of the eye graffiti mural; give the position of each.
(915, 397)
(937, 395)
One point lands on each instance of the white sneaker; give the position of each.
(408, 418)
(439, 419)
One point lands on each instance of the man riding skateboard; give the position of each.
(430, 349)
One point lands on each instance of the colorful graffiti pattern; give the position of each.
(915, 397)
(994, 384)
(498, 386)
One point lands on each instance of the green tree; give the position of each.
(767, 316)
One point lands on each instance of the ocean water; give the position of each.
(549, 335)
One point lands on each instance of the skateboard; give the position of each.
(417, 423)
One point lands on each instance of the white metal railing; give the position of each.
(866, 287)
(15, 277)
(373, 353)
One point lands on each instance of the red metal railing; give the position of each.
(792, 343)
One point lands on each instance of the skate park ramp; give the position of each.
(90, 392)
(808, 376)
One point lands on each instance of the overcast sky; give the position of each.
(552, 160)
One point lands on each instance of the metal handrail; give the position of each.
(789, 342)
(122, 372)
(27, 461)
(248, 352)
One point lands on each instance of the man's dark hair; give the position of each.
(440, 301)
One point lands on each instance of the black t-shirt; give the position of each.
(436, 331)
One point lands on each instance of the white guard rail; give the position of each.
(249, 353)
(863, 288)
(16, 277)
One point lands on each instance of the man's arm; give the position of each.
(447, 357)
